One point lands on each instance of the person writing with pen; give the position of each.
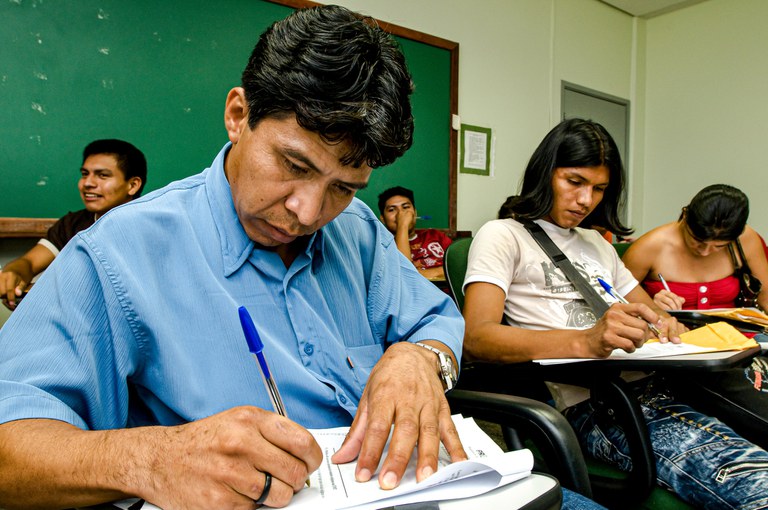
(521, 304)
(143, 385)
(689, 264)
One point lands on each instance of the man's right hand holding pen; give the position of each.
(627, 325)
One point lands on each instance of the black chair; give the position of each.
(541, 425)
(609, 394)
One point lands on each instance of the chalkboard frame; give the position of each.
(36, 227)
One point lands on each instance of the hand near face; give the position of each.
(405, 391)
(405, 218)
(220, 461)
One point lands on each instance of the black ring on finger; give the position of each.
(265, 490)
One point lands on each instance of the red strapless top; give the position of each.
(700, 296)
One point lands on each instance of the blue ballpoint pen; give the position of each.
(256, 346)
(621, 299)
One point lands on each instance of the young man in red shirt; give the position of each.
(424, 247)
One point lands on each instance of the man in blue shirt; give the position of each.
(127, 373)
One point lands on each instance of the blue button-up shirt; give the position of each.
(136, 320)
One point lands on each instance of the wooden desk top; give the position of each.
(25, 227)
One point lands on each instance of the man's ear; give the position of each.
(235, 114)
(134, 185)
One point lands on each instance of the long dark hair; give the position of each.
(572, 143)
(718, 212)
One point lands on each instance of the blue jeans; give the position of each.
(698, 457)
(575, 501)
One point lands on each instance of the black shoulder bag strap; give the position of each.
(593, 299)
(734, 259)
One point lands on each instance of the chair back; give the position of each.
(455, 265)
(621, 248)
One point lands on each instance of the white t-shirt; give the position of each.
(538, 294)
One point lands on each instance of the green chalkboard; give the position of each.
(157, 74)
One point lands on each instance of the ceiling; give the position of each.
(650, 8)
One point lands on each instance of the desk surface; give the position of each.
(543, 489)
(710, 361)
(535, 492)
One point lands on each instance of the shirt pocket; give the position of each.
(361, 359)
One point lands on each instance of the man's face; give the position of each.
(286, 181)
(399, 208)
(577, 192)
(103, 185)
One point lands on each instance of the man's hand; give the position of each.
(12, 287)
(216, 462)
(221, 461)
(405, 390)
(17, 274)
(625, 326)
(405, 217)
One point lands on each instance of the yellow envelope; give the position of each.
(721, 336)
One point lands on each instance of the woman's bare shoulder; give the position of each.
(656, 237)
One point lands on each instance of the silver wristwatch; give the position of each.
(446, 369)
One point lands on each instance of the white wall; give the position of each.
(513, 55)
(706, 109)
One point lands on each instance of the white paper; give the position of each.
(334, 487)
(648, 350)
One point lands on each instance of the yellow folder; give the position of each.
(720, 336)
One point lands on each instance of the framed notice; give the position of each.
(475, 150)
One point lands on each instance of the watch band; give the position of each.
(446, 369)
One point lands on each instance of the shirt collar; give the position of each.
(236, 246)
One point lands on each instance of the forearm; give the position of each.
(499, 343)
(52, 464)
(432, 272)
(22, 267)
(403, 244)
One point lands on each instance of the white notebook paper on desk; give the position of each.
(334, 487)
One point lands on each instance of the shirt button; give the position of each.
(309, 349)
(703, 288)
(342, 399)
(704, 300)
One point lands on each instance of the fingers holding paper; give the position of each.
(405, 391)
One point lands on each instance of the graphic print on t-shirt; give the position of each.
(579, 314)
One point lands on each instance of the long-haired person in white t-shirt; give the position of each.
(519, 306)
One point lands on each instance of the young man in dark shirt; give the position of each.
(113, 172)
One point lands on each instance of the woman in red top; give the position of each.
(693, 257)
(692, 253)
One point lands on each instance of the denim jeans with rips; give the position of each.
(698, 457)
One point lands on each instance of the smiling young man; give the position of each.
(519, 306)
(113, 172)
(153, 392)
